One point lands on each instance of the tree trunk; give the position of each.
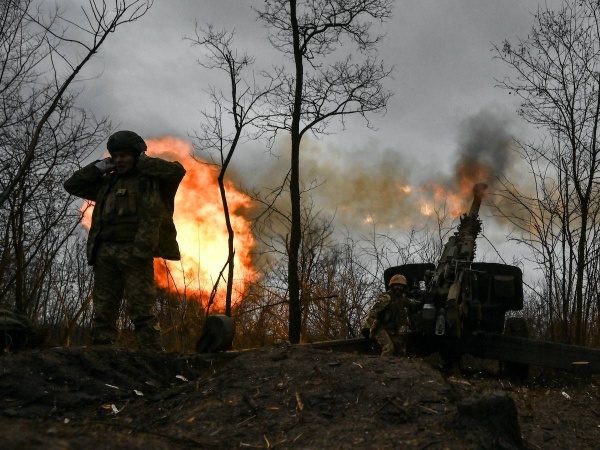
(230, 247)
(295, 229)
(581, 250)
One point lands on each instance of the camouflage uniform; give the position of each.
(132, 223)
(387, 319)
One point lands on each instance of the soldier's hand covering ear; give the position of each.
(105, 165)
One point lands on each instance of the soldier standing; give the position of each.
(132, 223)
(388, 317)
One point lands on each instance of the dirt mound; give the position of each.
(283, 396)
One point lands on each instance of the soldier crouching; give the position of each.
(388, 318)
(132, 223)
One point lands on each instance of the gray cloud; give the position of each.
(439, 117)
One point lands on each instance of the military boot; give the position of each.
(103, 334)
(103, 339)
(147, 333)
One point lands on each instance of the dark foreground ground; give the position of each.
(288, 397)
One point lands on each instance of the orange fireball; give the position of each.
(454, 196)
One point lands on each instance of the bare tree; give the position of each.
(234, 119)
(558, 81)
(38, 218)
(320, 88)
(340, 278)
(341, 289)
(43, 138)
(181, 320)
(67, 311)
(36, 68)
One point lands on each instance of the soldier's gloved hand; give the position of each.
(105, 165)
(366, 332)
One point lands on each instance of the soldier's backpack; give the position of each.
(15, 330)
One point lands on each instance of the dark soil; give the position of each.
(288, 397)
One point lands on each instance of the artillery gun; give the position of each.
(464, 307)
(461, 297)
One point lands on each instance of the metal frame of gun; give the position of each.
(445, 293)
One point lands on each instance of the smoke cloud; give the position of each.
(361, 189)
(398, 190)
(393, 188)
(484, 147)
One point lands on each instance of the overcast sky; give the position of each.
(440, 49)
(443, 88)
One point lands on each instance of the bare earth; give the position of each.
(288, 397)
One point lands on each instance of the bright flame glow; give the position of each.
(426, 210)
(455, 200)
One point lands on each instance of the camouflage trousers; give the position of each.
(119, 276)
(391, 344)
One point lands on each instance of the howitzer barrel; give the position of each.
(478, 193)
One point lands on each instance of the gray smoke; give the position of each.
(484, 147)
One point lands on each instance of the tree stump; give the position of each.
(492, 418)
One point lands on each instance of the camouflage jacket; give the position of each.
(157, 181)
(389, 312)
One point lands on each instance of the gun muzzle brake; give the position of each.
(478, 193)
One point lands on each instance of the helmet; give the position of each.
(126, 141)
(398, 279)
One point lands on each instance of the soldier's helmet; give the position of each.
(127, 141)
(398, 279)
